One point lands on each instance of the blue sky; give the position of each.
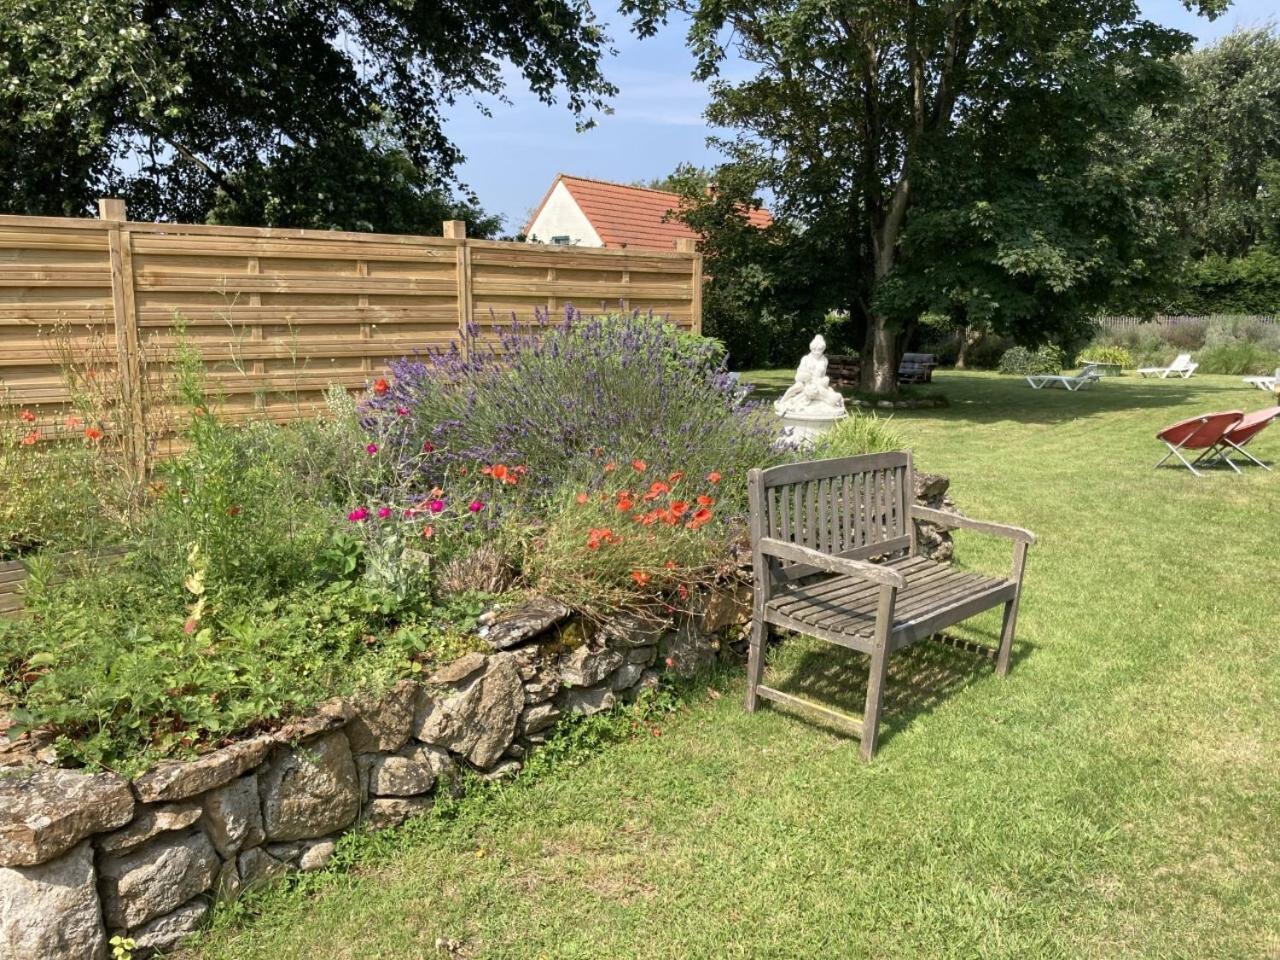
(657, 123)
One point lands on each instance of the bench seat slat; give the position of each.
(935, 596)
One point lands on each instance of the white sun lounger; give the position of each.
(1183, 366)
(1265, 383)
(1088, 375)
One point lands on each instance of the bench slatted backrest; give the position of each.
(852, 507)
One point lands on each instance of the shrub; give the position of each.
(1241, 358)
(554, 397)
(1021, 361)
(1106, 353)
(856, 434)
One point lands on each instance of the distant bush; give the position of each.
(857, 434)
(1020, 361)
(1248, 284)
(1227, 344)
(1240, 358)
(1106, 353)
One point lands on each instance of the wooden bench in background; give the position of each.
(916, 368)
(814, 528)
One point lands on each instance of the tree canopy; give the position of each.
(969, 162)
(275, 111)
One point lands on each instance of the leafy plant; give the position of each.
(857, 434)
(1106, 353)
(1021, 361)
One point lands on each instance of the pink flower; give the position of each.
(358, 515)
(189, 626)
(435, 506)
(475, 506)
(384, 513)
(428, 446)
(371, 449)
(402, 411)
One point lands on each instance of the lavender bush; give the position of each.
(561, 399)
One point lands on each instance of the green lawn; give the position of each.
(1118, 795)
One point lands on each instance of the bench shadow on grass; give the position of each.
(920, 679)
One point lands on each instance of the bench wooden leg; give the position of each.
(1010, 623)
(755, 661)
(875, 699)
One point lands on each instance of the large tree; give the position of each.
(1227, 133)
(278, 107)
(975, 162)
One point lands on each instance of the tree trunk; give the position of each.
(968, 337)
(879, 358)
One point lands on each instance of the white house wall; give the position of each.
(561, 216)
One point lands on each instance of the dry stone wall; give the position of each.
(83, 857)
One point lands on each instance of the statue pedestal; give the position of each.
(807, 427)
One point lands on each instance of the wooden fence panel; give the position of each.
(280, 315)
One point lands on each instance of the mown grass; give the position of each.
(1116, 796)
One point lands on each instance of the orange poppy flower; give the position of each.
(26, 416)
(676, 477)
(640, 577)
(610, 467)
(428, 532)
(498, 471)
(625, 505)
(93, 433)
(713, 476)
(678, 507)
(581, 499)
(380, 386)
(706, 501)
(31, 438)
(639, 466)
(701, 516)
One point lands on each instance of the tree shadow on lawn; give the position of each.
(995, 399)
(920, 678)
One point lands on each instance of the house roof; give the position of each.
(626, 216)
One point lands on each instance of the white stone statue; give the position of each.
(811, 397)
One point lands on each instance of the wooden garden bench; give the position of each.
(814, 528)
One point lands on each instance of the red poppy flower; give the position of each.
(640, 577)
(625, 505)
(428, 532)
(380, 386)
(31, 438)
(706, 501)
(93, 433)
(713, 476)
(75, 423)
(581, 499)
(639, 466)
(610, 467)
(26, 416)
(683, 591)
(678, 507)
(428, 446)
(700, 517)
(676, 477)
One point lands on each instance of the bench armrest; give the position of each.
(854, 568)
(944, 519)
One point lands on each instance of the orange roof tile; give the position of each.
(626, 216)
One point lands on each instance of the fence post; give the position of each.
(129, 353)
(689, 245)
(457, 230)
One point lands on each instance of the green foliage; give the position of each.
(1242, 358)
(270, 110)
(1245, 284)
(986, 165)
(1225, 133)
(1107, 353)
(1020, 361)
(115, 667)
(859, 433)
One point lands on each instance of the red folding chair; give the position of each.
(1245, 430)
(1203, 433)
